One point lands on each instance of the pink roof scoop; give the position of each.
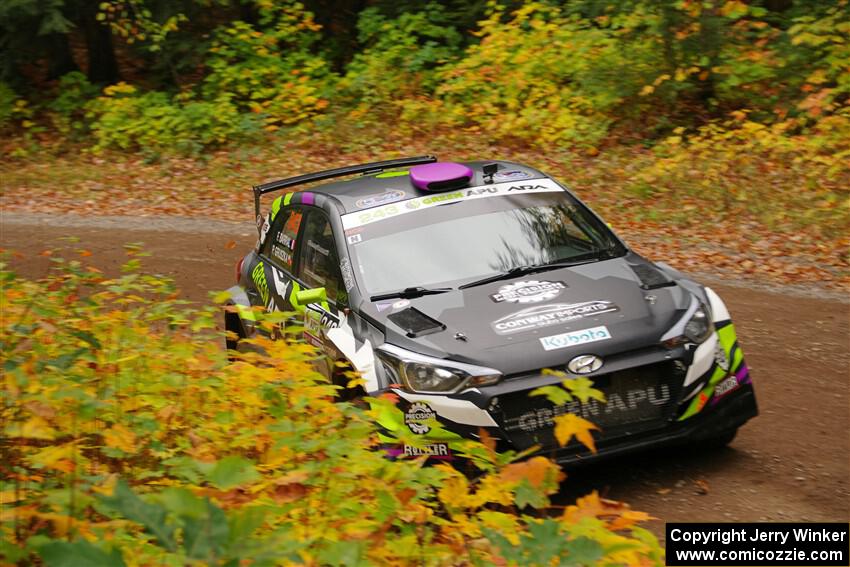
(440, 176)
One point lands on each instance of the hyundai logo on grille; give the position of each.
(585, 364)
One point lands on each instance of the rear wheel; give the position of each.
(233, 333)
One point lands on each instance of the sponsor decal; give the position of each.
(432, 450)
(387, 196)
(258, 274)
(510, 175)
(315, 246)
(417, 416)
(726, 386)
(385, 211)
(347, 275)
(542, 316)
(531, 291)
(355, 238)
(720, 357)
(630, 400)
(575, 338)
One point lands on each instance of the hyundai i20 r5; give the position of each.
(454, 285)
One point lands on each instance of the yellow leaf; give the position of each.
(34, 428)
(54, 457)
(119, 437)
(569, 424)
(646, 90)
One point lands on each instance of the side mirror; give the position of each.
(300, 299)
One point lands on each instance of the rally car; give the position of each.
(454, 285)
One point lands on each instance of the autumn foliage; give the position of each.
(128, 439)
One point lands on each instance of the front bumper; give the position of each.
(731, 412)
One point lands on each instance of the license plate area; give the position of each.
(638, 399)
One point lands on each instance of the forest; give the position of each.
(712, 133)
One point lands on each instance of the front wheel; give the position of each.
(721, 439)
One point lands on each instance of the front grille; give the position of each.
(638, 399)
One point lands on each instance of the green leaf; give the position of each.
(232, 471)
(151, 516)
(79, 554)
(584, 551)
(583, 389)
(203, 537)
(528, 495)
(554, 394)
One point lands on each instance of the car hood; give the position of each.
(540, 320)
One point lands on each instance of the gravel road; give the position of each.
(792, 463)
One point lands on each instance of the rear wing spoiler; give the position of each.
(272, 186)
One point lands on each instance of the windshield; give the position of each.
(460, 241)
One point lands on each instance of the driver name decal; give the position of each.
(531, 291)
(575, 338)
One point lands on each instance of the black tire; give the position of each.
(232, 325)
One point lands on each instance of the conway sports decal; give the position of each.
(542, 316)
(532, 291)
(360, 218)
(575, 338)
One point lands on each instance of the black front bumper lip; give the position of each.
(730, 413)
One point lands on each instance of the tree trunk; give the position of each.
(103, 68)
(60, 60)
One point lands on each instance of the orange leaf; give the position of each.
(230, 245)
(536, 470)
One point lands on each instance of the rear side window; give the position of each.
(319, 261)
(280, 243)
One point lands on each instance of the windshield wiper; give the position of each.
(587, 258)
(410, 292)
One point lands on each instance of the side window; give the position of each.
(280, 242)
(319, 261)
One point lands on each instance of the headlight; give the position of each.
(699, 326)
(695, 327)
(424, 374)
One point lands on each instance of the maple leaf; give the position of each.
(536, 470)
(583, 389)
(569, 425)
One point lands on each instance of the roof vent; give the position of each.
(440, 176)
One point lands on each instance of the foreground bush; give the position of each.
(129, 440)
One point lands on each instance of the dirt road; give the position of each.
(791, 463)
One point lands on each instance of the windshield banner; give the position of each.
(368, 216)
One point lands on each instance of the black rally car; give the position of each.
(454, 285)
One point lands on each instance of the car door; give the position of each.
(317, 269)
(273, 273)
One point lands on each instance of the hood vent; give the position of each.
(415, 323)
(651, 277)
